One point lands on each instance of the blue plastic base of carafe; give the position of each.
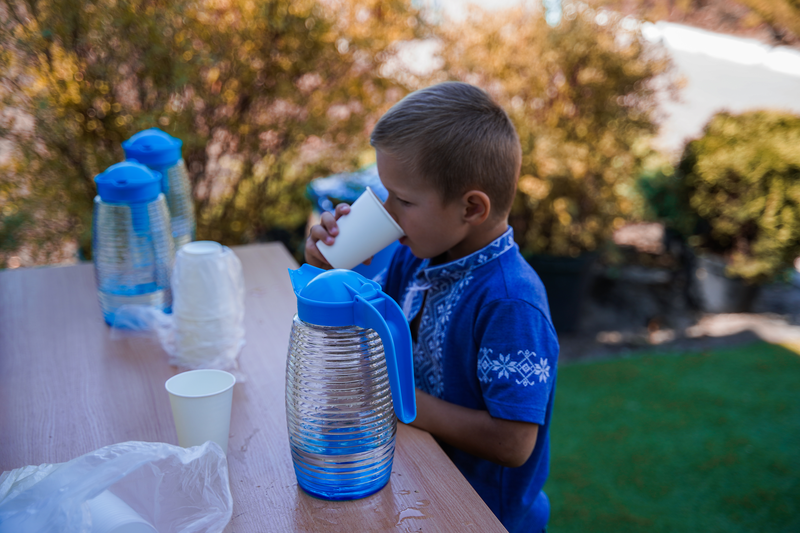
(342, 491)
(110, 319)
(112, 301)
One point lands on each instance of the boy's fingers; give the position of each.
(320, 233)
(313, 255)
(314, 258)
(325, 231)
(342, 209)
(328, 224)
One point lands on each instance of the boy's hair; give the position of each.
(456, 136)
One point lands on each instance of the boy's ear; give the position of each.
(477, 207)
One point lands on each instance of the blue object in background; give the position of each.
(325, 193)
(132, 246)
(162, 152)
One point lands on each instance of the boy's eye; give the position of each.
(403, 202)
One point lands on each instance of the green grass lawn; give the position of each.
(696, 442)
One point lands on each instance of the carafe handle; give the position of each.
(384, 316)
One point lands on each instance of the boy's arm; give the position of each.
(505, 442)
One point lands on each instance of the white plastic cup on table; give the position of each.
(201, 406)
(110, 514)
(363, 232)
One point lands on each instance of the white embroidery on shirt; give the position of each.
(502, 366)
(442, 299)
(413, 291)
(446, 285)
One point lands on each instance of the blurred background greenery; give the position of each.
(270, 94)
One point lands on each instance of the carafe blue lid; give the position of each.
(325, 297)
(339, 298)
(153, 148)
(128, 182)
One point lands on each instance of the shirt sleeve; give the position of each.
(517, 354)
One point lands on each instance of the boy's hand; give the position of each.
(326, 231)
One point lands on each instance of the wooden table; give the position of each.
(68, 387)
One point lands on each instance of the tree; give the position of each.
(741, 184)
(265, 94)
(582, 96)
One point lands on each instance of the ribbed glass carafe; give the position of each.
(179, 201)
(133, 253)
(339, 411)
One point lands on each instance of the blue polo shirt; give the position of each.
(486, 342)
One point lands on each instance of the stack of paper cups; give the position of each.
(208, 305)
(363, 232)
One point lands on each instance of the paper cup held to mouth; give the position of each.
(364, 232)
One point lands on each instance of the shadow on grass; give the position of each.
(706, 441)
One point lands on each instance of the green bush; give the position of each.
(665, 197)
(582, 98)
(742, 185)
(265, 95)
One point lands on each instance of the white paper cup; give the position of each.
(201, 406)
(207, 281)
(363, 232)
(110, 514)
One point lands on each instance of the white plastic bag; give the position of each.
(174, 489)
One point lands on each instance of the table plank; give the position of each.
(66, 387)
(69, 385)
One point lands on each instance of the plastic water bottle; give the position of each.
(162, 152)
(132, 246)
(349, 377)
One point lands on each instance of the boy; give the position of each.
(485, 350)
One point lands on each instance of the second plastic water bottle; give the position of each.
(162, 153)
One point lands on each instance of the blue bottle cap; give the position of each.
(153, 148)
(326, 297)
(337, 286)
(127, 183)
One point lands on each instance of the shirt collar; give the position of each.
(461, 266)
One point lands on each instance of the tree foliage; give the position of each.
(582, 96)
(265, 94)
(742, 185)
